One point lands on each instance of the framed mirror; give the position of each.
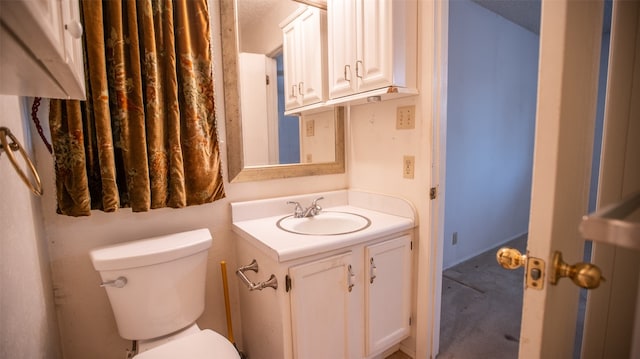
(252, 154)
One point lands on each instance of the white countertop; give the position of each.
(284, 246)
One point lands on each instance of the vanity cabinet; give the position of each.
(372, 45)
(41, 49)
(327, 294)
(304, 57)
(350, 303)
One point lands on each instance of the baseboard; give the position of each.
(493, 247)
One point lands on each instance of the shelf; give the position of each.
(617, 224)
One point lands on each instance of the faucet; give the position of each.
(313, 210)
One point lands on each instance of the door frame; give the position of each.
(430, 263)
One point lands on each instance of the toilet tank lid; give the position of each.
(150, 251)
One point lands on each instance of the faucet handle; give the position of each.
(298, 211)
(315, 207)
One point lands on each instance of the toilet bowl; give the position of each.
(156, 290)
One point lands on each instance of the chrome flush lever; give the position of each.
(118, 283)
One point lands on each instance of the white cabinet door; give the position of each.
(41, 49)
(291, 62)
(321, 307)
(374, 63)
(304, 44)
(341, 30)
(387, 293)
(313, 29)
(372, 45)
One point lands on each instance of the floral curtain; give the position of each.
(146, 136)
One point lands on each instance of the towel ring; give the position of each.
(15, 146)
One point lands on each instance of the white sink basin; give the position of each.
(326, 223)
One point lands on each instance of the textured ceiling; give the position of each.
(526, 13)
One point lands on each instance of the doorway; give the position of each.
(492, 85)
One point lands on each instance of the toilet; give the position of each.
(156, 290)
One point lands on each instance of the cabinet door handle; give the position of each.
(300, 88)
(359, 64)
(351, 278)
(347, 73)
(372, 270)
(293, 91)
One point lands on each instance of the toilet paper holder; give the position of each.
(253, 266)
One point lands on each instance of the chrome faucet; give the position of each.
(313, 210)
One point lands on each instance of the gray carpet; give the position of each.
(481, 308)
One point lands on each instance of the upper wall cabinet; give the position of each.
(372, 47)
(305, 58)
(41, 49)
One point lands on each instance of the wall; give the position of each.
(490, 130)
(28, 325)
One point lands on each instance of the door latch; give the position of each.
(511, 258)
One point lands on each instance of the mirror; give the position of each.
(320, 141)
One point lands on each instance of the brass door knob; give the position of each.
(585, 275)
(510, 258)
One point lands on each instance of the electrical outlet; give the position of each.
(311, 127)
(408, 164)
(406, 117)
(454, 239)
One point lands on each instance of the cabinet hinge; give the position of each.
(411, 245)
(432, 193)
(287, 283)
(267, 79)
(409, 321)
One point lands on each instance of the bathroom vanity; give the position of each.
(344, 295)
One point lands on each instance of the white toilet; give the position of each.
(156, 289)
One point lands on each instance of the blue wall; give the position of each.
(490, 130)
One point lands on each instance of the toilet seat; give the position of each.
(205, 344)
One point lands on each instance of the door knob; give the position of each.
(585, 275)
(510, 258)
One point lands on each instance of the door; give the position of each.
(341, 32)
(374, 61)
(321, 307)
(569, 57)
(387, 293)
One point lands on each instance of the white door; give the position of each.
(567, 86)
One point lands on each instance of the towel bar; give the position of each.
(8, 148)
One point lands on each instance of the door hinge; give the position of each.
(267, 80)
(432, 193)
(411, 245)
(409, 321)
(287, 283)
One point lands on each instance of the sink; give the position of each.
(327, 223)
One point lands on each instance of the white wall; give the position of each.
(490, 130)
(28, 325)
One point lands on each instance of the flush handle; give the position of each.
(118, 283)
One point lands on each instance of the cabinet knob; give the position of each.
(74, 28)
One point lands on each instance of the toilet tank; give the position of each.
(165, 282)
